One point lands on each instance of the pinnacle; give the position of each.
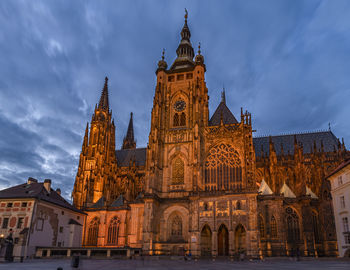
(104, 102)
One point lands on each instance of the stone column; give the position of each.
(214, 244)
(231, 243)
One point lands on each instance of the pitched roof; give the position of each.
(309, 192)
(36, 191)
(340, 167)
(100, 203)
(264, 189)
(124, 156)
(307, 139)
(222, 111)
(118, 202)
(287, 192)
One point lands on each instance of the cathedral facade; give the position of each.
(204, 184)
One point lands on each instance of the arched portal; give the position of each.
(223, 241)
(240, 239)
(206, 241)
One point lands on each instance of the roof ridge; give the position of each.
(294, 133)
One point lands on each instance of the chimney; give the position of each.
(31, 180)
(47, 185)
(58, 191)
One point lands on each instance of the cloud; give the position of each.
(285, 61)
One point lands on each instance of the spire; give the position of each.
(162, 65)
(104, 103)
(223, 97)
(86, 137)
(185, 52)
(129, 141)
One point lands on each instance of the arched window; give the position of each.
(176, 121)
(261, 227)
(293, 230)
(177, 172)
(93, 232)
(183, 119)
(238, 205)
(113, 230)
(273, 226)
(176, 226)
(223, 169)
(315, 227)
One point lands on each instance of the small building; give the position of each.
(340, 182)
(37, 215)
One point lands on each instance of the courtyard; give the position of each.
(178, 263)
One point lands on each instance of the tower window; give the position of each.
(176, 121)
(189, 75)
(171, 78)
(183, 119)
(180, 77)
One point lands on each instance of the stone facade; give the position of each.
(340, 183)
(204, 184)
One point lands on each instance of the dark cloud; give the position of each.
(285, 61)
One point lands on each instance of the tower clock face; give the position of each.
(180, 105)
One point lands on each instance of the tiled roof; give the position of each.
(125, 155)
(227, 116)
(307, 139)
(341, 166)
(36, 191)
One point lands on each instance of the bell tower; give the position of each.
(97, 164)
(179, 116)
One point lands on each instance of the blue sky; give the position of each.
(287, 62)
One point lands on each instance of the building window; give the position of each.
(273, 226)
(24, 204)
(93, 232)
(171, 78)
(20, 223)
(59, 244)
(16, 241)
(113, 230)
(5, 223)
(340, 180)
(183, 119)
(293, 231)
(176, 121)
(78, 217)
(62, 213)
(345, 224)
(189, 75)
(9, 204)
(180, 77)
(223, 169)
(178, 171)
(40, 224)
(61, 229)
(342, 202)
(261, 227)
(347, 238)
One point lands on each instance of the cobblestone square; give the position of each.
(318, 264)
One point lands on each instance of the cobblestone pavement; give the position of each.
(48, 264)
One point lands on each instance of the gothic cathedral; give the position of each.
(204, 184)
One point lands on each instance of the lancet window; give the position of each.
(273, 226)
(223, 169)
(113, 230)
(178, 172)
(293, 229)
(93, 232)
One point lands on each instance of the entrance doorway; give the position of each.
(240, 239)
(206, 241)
(223, 241)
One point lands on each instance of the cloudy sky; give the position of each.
(287, 62)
